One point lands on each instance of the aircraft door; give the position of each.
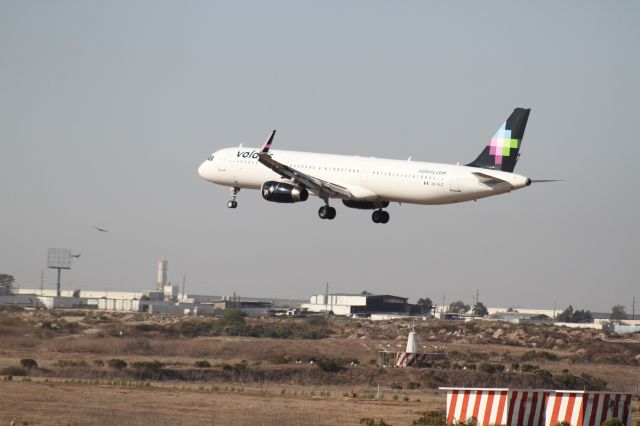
(221, 164)
(454, 182)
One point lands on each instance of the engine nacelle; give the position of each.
(279, 192)
(365, 205)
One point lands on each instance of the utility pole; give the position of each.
(326, 300)
(442, 310)
(42, 282)
(633, 308)
(184, 279)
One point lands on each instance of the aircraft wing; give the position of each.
(321, 187)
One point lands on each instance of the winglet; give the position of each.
(267, 144)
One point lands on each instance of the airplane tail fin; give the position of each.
(502, 152)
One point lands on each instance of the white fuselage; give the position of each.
(368, 179)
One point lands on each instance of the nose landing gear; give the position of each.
(232, 204)
(380, 216)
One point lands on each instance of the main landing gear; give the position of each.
(380, 216)
(232, 204)
(327, 212)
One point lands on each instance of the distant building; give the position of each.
(521, 318)
(352, 304)
(254, 309)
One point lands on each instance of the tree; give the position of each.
(480, 310)
(6, 281)
(618, 313)
(569, 315)
(458, 307)
(582, 316)
(426, 304)
(365, 293)
(566, 315)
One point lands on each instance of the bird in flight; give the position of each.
(77, 256)
(101, 229)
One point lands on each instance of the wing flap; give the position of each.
(321, 187)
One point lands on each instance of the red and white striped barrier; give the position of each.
(536, 407)
(588, 408)
(408, 359)
(489, 406)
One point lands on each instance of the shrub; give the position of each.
(613, 422)
(491, 368)
(241, 366)
(151, 366)
(330, 365)
(543, 374)
(368, 421)
(145, 370)
(531, 355)
(98, 362)
(527, 368)
(432, 418)
(280, 359)
(118, 364)
(413, 385)
(203, 364)
(28, 363)
(13, 371)
(232, 322)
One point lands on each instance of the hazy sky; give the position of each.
(108, 108)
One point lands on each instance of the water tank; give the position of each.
(162, 274)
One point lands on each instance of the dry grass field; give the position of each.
(108, 368)
(72, 404)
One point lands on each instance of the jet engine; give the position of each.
(365, 205)
(279, 192)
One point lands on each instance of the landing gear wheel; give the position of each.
(327, 212)
(232, 204)
(384, 217)
(331, 213)
(323, 212)
(380, 216)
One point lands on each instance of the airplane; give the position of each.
(370, 183)
(101, 229)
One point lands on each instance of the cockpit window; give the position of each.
(210, 157)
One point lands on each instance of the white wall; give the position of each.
(90, 294)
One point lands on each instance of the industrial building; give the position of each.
(361, 305)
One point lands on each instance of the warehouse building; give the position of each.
(361, 305)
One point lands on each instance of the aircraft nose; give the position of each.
(202, 169)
